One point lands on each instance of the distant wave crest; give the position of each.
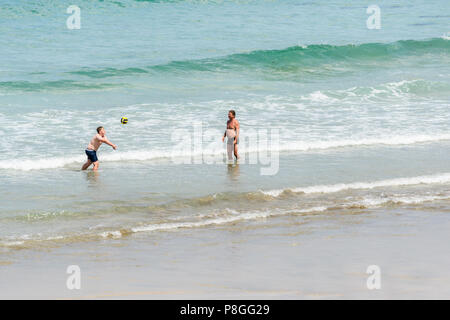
(311, 60)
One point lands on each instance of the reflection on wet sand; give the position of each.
(93, 177)
(233, 170)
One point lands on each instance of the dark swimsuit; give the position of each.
(92, 155)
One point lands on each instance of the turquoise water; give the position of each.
(363, 115)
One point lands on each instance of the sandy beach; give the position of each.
(320, 257)
(341, 110)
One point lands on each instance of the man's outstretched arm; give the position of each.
(105, 140)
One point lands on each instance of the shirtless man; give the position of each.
(232, 133)
(91, 150)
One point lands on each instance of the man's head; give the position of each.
(231, 114)
(101, 131)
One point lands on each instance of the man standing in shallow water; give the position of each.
(91, 150)
(232, 133)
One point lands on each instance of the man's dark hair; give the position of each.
(233, 112)
(99, 128)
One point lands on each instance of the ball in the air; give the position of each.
(124, 120)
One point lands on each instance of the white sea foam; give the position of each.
(375, 202)
(12, 243)
(143, 155)
(111, 234)
(367, 202)
(221, 221)
(36, 164)
(392, 141)
(398, 89)
(318, 96)
(429, 179)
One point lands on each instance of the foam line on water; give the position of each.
(220, 221)
(426, 179)
(234, 216)
(370, 202)
(143, 155)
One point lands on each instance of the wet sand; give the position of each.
(323, 257)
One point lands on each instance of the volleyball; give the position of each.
(124, 120)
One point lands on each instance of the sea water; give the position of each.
(361, 115)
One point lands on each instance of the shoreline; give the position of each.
(323, 257)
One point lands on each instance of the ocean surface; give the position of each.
(362, 116)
